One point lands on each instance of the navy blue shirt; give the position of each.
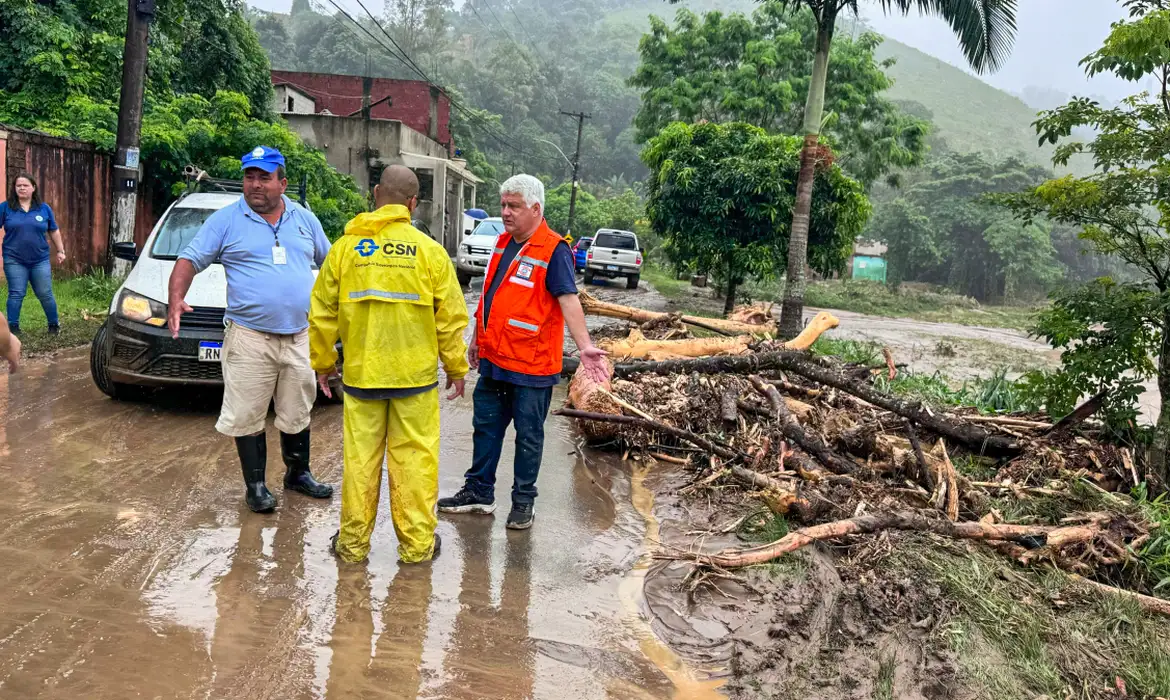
(560, 280)
(26, 233)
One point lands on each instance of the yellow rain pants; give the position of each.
(404, 433)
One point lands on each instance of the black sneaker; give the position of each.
(467, 502)
(521, 516)
(54, 330)
(14, 329)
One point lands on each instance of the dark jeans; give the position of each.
(19, 276)
(496, 405)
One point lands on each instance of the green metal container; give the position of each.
(868, 267)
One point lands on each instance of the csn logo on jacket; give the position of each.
(396, 249)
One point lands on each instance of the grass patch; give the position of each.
(1015, 637)
(665, 281)
(859, 352)
(996, 394)
(90, 294)
(884, 685)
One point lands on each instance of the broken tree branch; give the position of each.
(1080, 413)
(866, 524)
(728, 410)
(973, 437)
(697, 440)
(924, 476)
(794, 432)
(595, 307)
(1145, 602)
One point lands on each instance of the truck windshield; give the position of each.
(489, 228)
(615, 240)
(178, 230)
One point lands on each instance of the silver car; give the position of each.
(475, 252)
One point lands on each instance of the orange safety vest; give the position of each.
(525, 332)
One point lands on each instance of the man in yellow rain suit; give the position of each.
(390, 294)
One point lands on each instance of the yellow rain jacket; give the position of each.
(391, 295)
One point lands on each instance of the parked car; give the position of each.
(475, 251)
(580, 252)
(134, 348)
(613, 254)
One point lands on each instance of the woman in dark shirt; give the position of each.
(28, 223)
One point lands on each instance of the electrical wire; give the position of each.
(471, 116)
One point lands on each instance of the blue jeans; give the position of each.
(19, 276)
(496, 405)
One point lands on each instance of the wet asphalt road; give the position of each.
(133, 569)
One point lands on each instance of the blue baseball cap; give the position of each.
(263, 157)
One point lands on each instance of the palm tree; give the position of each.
(985, 30)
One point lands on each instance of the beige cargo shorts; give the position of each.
(262, 368)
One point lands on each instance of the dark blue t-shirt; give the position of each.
(560, 280)
(26, 233)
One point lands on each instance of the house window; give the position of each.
(290, 103)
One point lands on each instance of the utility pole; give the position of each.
(580, 117)
(126, 164)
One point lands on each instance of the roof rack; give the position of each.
(199, 181)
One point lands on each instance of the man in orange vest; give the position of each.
(529, 295)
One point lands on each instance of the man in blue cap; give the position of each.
(268, 245)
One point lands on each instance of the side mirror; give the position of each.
(126, 250)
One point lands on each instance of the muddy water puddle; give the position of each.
(132, 569)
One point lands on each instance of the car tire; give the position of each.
(588, 277)
(632, 281)
(463, 277)
(99, 368)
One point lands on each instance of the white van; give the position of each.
(134, 348)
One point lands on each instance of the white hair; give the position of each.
(526, 186)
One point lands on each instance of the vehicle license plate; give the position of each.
(209, 351)
(611, 267)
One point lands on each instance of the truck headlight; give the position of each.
(467, 249)
(136, 307)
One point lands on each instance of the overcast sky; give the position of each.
(1053, 36)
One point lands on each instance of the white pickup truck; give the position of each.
(613, 254)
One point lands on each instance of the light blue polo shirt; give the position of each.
(263, 296)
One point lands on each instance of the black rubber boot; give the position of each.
(295, 449)
(253, 451)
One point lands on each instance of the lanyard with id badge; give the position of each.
(279, 253)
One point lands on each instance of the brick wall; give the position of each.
(342, 95)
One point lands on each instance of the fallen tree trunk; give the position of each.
(974, 438)
(596, 307)
(637, 347)
(797, 434)
(586, 394)
(866, 524)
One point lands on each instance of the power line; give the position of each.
(410, 64)
(522, 27)
(508, 34)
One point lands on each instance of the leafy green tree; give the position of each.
(732, 68)
(941, 230)
(984, 28)
(1124, 207)
(62, 70)
(721, 195)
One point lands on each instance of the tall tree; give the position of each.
(757, 70)
(720, 195)
(985, 30)
(1122, 208)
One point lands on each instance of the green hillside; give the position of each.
(969, 115)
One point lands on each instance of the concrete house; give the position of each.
(365, 124)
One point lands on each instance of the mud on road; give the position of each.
(133, 569)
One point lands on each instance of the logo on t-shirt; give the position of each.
(40, 218)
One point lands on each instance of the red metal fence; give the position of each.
(74, 179)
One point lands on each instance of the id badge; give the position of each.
(279, 256)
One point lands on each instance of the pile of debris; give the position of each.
(820, 445)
